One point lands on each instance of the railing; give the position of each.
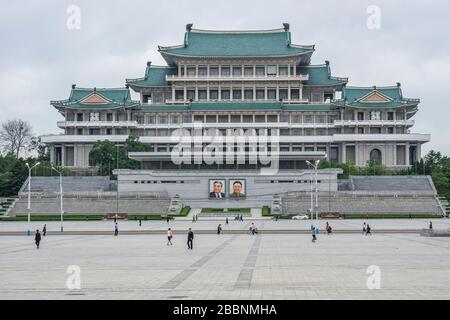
(64, 124)
(374, 122)
(230, 77)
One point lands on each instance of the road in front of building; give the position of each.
(229, 266)
(204, 224)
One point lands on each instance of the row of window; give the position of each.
(236, 71)
(282, 132)
(239, 94)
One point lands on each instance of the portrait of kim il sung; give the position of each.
(217, 189)
(237, 188)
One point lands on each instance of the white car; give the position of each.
(300, 217)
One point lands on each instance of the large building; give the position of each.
(235, 81)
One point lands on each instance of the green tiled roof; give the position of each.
(206, 106)
(236, 44)
(155, 76)
(351, 96)
(115, 98)
(320, 75)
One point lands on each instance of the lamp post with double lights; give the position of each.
(29, 195)
(61, 196)
(315, 166)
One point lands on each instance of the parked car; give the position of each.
(300, 217)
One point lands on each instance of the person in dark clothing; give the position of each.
(368, 230)
(190, 239)
(37, 239)
(44, 230)
(140, 222)
(167, 219)
(431, 226)
(219, 229)
(313, 232)
(226, 220)
(116, 229)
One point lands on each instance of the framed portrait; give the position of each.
(217, 188)
(237, 188)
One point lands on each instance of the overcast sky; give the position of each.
(41, 57)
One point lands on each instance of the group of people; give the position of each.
(239, 217)
(190, 238)
(194, 218)
(366, 229)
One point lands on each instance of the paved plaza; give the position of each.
(229, 266)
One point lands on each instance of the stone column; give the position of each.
(407, 154)
(63, 154)
(395, 153)
(265, 92)
(344, 155)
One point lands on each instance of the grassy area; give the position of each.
(265, 211)
(150, 216)
(391, 216)
(53, 218)
(185, 211)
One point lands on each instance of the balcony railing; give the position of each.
(302, 77)
(341, 123)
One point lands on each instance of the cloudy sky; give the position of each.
(41, 57)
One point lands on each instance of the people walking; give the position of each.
(368, 230)
(226, 220)
(313, 232)
(37, 238)
(167, 219)
(253, 229)
(430, 226)
(116, 229)
(140, 222)
(219, 229)
(44, 230)
(328, 228)
(169, 236)
(190, 239)
(364, 228)
(193, 218)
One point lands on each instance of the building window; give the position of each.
(162, 119)
(317, 97)
(296, 132)
(94, 116)
(349, 130)
(295, 94)
(213, 71)
(79, 117)
(259, 94)
(284, 118)
(390, 130)
(375, 130)
(174, 119)
(360, 116)
(237, 94)
(283, 94)
(260, 71)
(225, 94)
(223, 118)
(187, 118)
(260, 118)
(309, 132)
(202, 71)
(390, 116)
(248, 94)
(328, 97)
(191, 71)
(375, 156)
(79, 131)
(163, 132)
(320, 132)
(179, 95)
(284, 132)
(361, 130)
(213, 94)
(109, 117)
(308, 118)
(225, 71)
(94, 131)
(151, 119)
(272, 118)
(271, 94)
(235, 118)
(191, 94)
(283, 71)
(248, 71)
(237, 71)
(202, 95)
(320, 118)
(296, 118)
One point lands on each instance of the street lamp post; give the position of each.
(315, 166)
(29, 195)
(61, 197)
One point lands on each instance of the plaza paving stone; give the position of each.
(229, 266)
